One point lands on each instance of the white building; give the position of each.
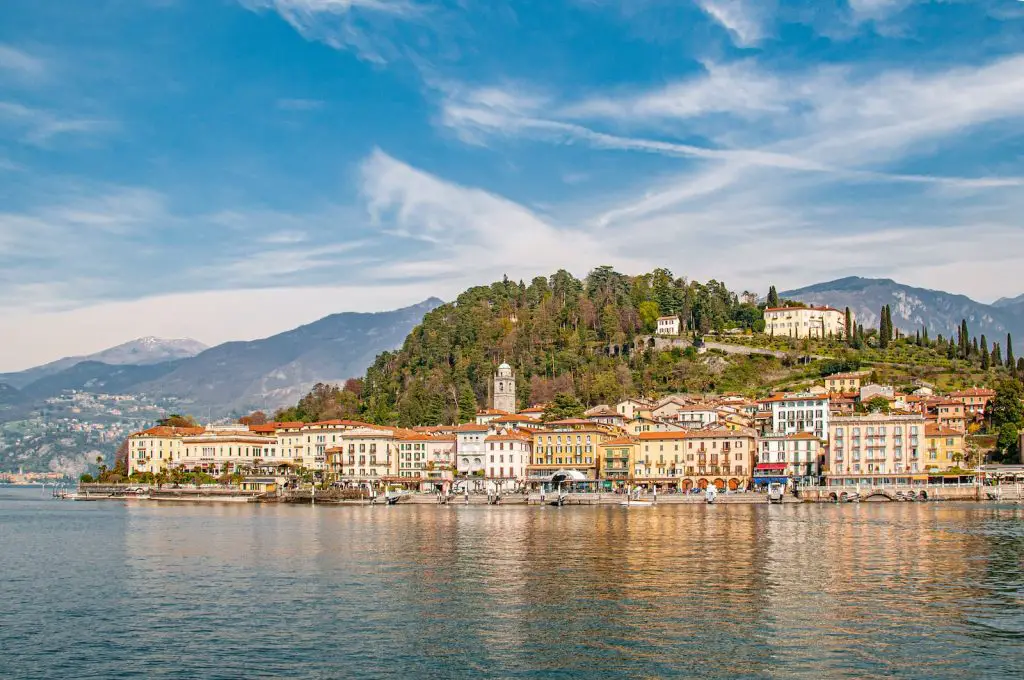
(668, 325)
(222, 448)
(801, 454)
(157, 448)
(697, 416)
(471, 449)
(507, 456)
(805, 322)
(802, 412)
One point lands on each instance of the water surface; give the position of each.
(135, 589)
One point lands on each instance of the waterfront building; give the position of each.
(567, 445)
(365, 454)
(801, 412)
(291, 445)
(508, 455)
(505, 389)
(668, 325)
(153, 450)
(843, 382)
(796, 457)
(974, 399)
(876, 443)
(316, 438)
(616, 458)
(944, 448)
(471, 448)
(805, 322)
(698, 458)
(225, 448)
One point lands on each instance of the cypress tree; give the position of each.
(1010, 362)
(917, 338)
(884, 328)
(984, 354)
(1020, 367)
(974, 346)
(849, 327)
(997, 356)
(773, 297)
(924, 336)
(964, 339)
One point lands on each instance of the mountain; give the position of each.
(141, 352)
(275, 371)
(1004, 302)
(913, 308)
(9, 395)
(96, 376)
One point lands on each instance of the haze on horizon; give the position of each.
(220, 171)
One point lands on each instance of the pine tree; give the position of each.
(773, 297)
(1010, 362)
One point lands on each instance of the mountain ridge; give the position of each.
(143, 351)
(914, 308)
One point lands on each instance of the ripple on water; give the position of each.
(111, 590)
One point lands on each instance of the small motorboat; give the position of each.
(636, 504)
(775, 492)
(711, 493)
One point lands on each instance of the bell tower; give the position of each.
(505, 389)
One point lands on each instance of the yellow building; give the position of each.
(616, 458)
(721, 457)
(843, 382)
(154, 449)
(222, 448)
(567, 445)
(366, 454)
(944, 448)
(805, 322)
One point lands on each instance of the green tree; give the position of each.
(564, 406)
(878, 403)
(1008, 442)
(984, 354)
(1011, 363)
(997, 357)
(177, 420)
(649, 313)
(773, 297)
(848, 327)
(1006, 406)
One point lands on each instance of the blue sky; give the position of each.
(226, 169)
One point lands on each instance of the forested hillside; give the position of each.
(557, 333)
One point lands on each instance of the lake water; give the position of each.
(117, 590)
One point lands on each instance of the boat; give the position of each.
(775, 492)
(711, 493)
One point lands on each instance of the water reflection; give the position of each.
(909, 590)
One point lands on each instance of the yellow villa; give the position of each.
(944, 448)
(616, 458)
(698, 458)
(154, 449)
(566, 445)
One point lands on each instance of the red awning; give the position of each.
(770, 466)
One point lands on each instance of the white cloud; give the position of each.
(20, 63)
(743, 19)
(359, 25)
(864, 10)
(39, 127)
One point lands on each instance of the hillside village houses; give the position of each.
(678, 441)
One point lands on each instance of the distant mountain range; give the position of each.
(914, 308)
(233, 377)
(141, 352)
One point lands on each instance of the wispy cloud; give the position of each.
(40, 127)
(743, 19)
(20, 63)
(359, 25)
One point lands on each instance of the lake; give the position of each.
(141, 589)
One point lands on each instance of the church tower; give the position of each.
(505, 389)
